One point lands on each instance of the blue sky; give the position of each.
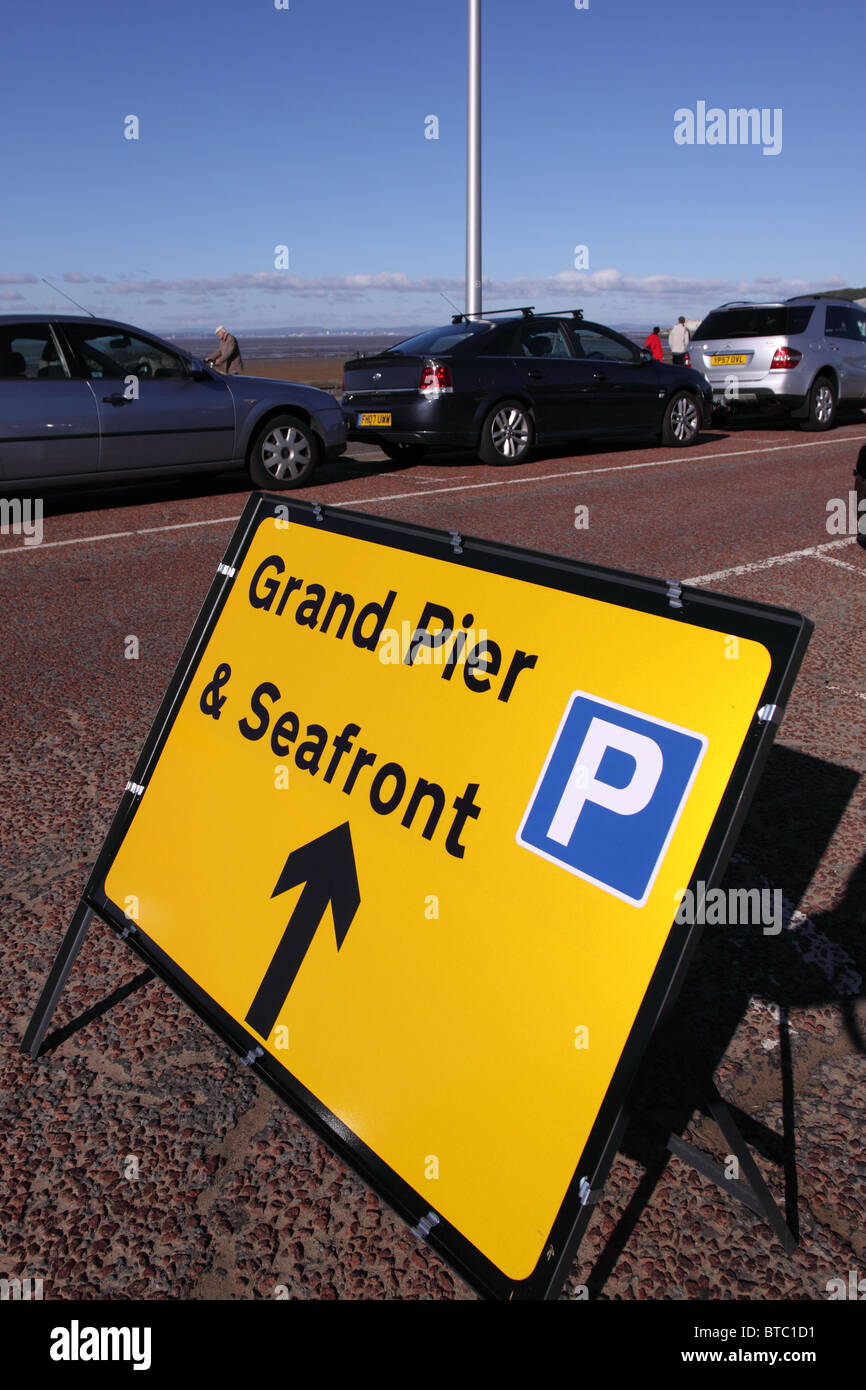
(305, 127)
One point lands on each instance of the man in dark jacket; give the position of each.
(227, 358)
(654, 343)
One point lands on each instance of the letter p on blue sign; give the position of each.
(610, 794)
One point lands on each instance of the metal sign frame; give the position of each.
(785, 635)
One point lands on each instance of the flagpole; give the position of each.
(473, 162)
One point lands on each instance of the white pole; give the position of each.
(473, 163)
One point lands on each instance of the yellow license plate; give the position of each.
(731, 359)
(373, 419)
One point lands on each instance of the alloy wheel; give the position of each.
(286, 452)
(823, 404)
(510, 432)
(684, 419)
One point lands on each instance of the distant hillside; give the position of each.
(841, 294)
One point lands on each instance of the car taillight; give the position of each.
(785, 357)
(435, 376)
(687, 361)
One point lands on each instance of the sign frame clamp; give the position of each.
(546, 591)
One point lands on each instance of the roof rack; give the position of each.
(525, 309)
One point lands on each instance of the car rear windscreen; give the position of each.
(756, 321)
(438, 341)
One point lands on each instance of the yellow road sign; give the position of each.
(418, 821)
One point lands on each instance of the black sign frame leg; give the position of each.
(750, 1189)
(59, 974)
(754, 1182)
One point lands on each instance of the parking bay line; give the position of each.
(814, 552)
(117, 535)
(465, 487)
(585, 472)
(831, 560)
(845, 691)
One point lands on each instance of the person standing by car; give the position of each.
(678, 341)
(227, 358)
(654, 343)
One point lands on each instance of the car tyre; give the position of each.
(822, 405)
(284, 454)
(403, 453)
(507, 434)
(682, 420)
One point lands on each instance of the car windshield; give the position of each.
(436, 342)
(756, 321)
(111, 352)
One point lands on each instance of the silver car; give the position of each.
(87, 399)
(803, 356)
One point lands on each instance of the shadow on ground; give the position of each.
(794, 816)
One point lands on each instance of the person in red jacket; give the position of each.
(654, 343)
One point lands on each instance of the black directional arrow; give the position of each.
(326, 867)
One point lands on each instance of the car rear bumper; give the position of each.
(753, 396)
(431, 439)
(440, 421)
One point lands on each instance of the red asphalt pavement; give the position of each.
(139, 1160)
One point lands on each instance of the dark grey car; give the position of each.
(502, 386)
(89, 399)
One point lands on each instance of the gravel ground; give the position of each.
(139, 1161)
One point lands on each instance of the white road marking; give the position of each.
(437, 478)
(831, 560)
(846, 691)
(116, 535)
(466, 487)
(811, 552)
(615, 468)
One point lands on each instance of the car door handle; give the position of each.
(599, 376)
(117, 399)
(536, 375)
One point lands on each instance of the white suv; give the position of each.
(803, 356)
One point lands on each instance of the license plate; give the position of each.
(371, 418)
(731, 359)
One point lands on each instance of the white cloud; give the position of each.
(393, 296)
(76, 277)
(582, 284)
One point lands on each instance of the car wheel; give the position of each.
(822, 405)
(682, 420)
(507, 434)
(284, 453)
(403, 453)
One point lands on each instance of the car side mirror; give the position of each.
(646, 355)
(197, 369)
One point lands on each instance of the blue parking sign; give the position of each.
(610, 794)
